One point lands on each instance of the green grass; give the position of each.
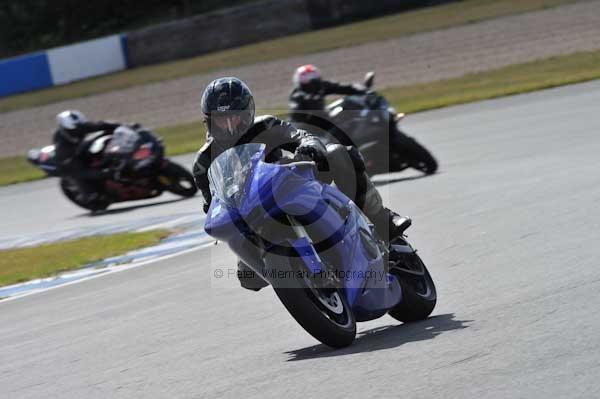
(427, 19)
(17, 170)
(515, 79)
(522, 78)
(24, 264)
(182, 139)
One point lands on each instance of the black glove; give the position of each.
(307, 153)
(372, 97)
(206, 207)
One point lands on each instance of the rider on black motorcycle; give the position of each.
(73, 127)
(307, 98)
(229, 114)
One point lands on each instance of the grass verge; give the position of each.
(17, 170)
(184, 138)
(515, 79)
(24, 264)
(397, 25)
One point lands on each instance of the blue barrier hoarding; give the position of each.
(25, 73)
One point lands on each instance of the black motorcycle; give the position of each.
(140, 169)
(371, 124)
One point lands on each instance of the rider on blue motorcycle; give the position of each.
(229, 114)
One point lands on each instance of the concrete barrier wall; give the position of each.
(326, 13)
(189, 37)
(217, 30)
(251, 23)
(62, 65)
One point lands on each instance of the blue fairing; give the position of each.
(339, 232)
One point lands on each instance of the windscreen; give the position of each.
(230, 170)
(123, 142)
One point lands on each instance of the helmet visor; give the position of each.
(228, 127)
(229, 122)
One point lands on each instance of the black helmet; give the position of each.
(228, 109)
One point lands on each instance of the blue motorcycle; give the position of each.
(314, 246)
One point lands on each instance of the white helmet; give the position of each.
(306, 74)
(70, 119)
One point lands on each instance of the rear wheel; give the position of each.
(178, 180)
(323, 312)
(71, 190)
(419, 295)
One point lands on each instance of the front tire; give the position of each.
(71, 189)
(416, 155)
(178, 180)
(419, 294)
(316, 321)
(323, 312)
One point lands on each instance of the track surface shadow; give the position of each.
(390, 179)
(385, 337)
(133, 207)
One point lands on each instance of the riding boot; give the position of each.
(248, 278)
(359, 187)
(388, 223)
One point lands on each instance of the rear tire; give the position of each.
(419, 294)
(178, 180)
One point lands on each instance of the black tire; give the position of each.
(336, 330)
(178, 180)
(70, 190)
(419, 294)
(417, 156)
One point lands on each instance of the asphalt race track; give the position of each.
(31, 211)
(509, 229)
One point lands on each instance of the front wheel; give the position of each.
(71, 190)
(323, 312)
(419, 295)
(415, 155)
(178, 180)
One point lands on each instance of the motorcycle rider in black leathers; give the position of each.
(229, 114)
(73, 127)
(307, 100)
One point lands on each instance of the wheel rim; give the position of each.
(422, 166)
(329, 303)
(412, 271)
(332, 302)
(332, 307)
(185, 184)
